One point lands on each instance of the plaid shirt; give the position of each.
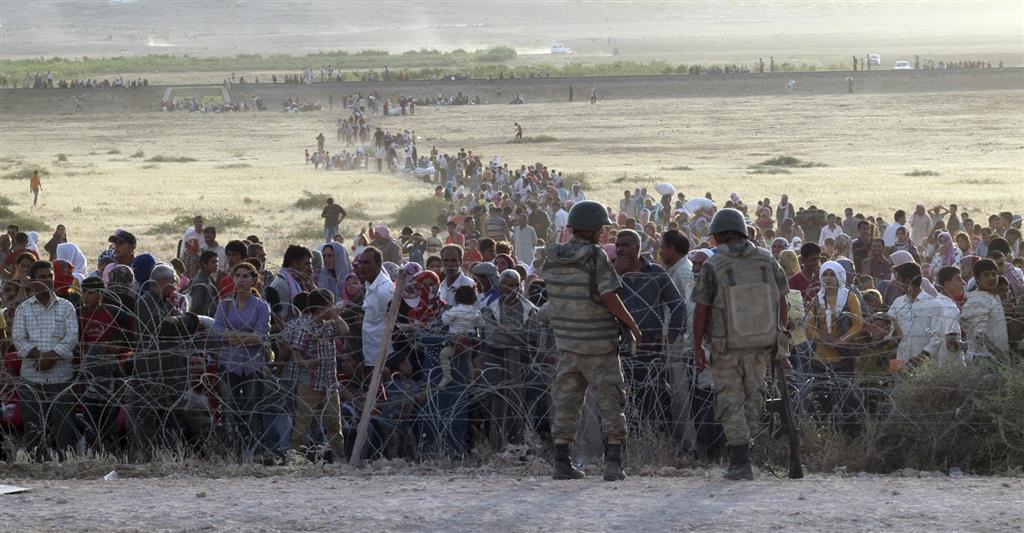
(316, 342)
(293, 373)
(51, 328)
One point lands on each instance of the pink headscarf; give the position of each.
(106, 272)
(382, 231)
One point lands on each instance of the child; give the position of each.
(462, 321)
(314, 348)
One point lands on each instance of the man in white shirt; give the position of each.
(45, 333)
(831, 231)
(377, 297)
(900, 220)
(451, 263)
(210, 243)
(983, 318)
(524, 240)
(917, 314)
(561, 219)
(576, 195)
(952, 285)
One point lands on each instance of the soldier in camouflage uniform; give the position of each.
(740, 297)
(583, 304)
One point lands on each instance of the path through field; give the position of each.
(492, 502)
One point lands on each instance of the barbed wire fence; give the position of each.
(176, 401)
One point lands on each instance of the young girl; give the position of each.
(462, 320)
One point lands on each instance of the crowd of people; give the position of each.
(46, 81)
(271, 358)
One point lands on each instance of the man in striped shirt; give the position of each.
(45, 332)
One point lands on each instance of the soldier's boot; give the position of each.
(739, 464)
(564, 468)
(613, 462)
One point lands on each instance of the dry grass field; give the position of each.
(251, 164)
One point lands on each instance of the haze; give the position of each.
(712, 30)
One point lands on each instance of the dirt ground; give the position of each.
(491, 501)
(251, 164)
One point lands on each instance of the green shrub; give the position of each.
(420, 212)
(25, 173)
(311, 200)
(171, 159)
(62, 157)
(534, 139)
(231, 166)
(221, 221)
(921, 173)
(113, 151)
(578, 177)
(679, 168)
(23, 221)
(138, 154)
(762, 170)
(789, 162)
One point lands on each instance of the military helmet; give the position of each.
(726, 220)
(588, 215)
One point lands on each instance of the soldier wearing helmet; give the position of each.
(740, 297)
(583, 305)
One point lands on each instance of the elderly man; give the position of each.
(510, 323)
(378, 293)
(161, 366)
(45, 332)
(389, 249)
(654, 302)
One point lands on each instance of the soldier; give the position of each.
(582, 307)
(740, 297)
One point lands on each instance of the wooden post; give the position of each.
(371, 394)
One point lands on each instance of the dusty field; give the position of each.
(251, 163)
(500, 502)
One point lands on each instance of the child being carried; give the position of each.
(462, 320)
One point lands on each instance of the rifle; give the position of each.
(796, 469)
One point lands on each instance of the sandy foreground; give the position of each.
(490, 501)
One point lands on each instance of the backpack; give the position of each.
(747, 298)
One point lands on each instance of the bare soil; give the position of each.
(482, 500)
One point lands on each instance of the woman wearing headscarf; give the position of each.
(797, 317)
(119, 280)
(904, 244)
(70, 252)
(843, 243)
(834, 320)
(190, 256)
(142, 267)
(947, 254)
(351, 307)
(64, 282)
(60, 235)
(335, 268)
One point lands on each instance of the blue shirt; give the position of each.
(254, 317)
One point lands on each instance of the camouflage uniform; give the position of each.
(586, 334)
(739, 373)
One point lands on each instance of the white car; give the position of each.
(874, 59)
(902, 65)
(559, 48)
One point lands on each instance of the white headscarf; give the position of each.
(841, 294)
(70, 252)
(33, 241)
